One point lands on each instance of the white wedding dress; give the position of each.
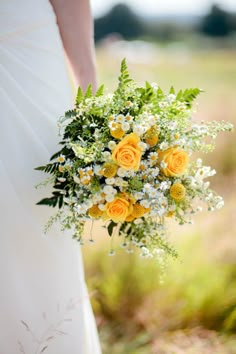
(44, 304)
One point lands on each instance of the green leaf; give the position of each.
(189, 95)
(111, 227)
(100, 91)
(40, 168)
(79, 96)
(89, 91)
(172, 90)
(52, 202)
(160, 94)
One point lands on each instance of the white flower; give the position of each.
(153, 193)
(164, 186)
(142, 145)
(88, 204)
(109, 190)
(129, 118)
(145, 203)
(120, 118)
(138, 130)
(121, 172)
(163, 145)
(61, 158)
(147, 187)
(125, 126)
(110, 180)
(76, 179)
(153, 156)
(130, 173)
(172, 125)
(155, 172)
(106, 155)
(163, 164)
(109, 197)
(152, 120)
(111, 145)
(61, 179)
(97, 198)
(220, 204)
(102, 207)
(138, 195)
(97, 170)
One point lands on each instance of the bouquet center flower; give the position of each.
(127, 153)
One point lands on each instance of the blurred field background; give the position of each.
(194, 310)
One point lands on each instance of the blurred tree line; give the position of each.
(122, 20)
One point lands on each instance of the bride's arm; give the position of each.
(76, 28)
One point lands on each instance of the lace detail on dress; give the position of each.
(53, 330)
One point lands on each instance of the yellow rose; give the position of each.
(127, 154)
(118, 210)
(176, 160)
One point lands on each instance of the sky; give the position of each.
(164, 7)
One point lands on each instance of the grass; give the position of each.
(194, 310)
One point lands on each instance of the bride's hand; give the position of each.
(76, 28)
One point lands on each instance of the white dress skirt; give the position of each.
(44, 303)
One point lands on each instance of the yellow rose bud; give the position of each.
(117, 132)
(95, 212)
(130, 218)
(127, 154)
(176, 160)
(118, 210)
(152, 136)
(177, 191)
(139, 210)
(170, 214)
(109, 169)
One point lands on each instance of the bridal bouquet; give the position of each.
(126, 159)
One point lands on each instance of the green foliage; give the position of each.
(188, 95)
(89, 91)
(79, 96)
(55, 200)
(123, 79)
(111, 227)
(100, 91)
(49, 168)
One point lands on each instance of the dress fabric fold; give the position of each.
(44, 302)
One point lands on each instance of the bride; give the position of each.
(44, 304)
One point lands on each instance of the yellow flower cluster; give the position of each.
(177, 192)
(109, 169)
